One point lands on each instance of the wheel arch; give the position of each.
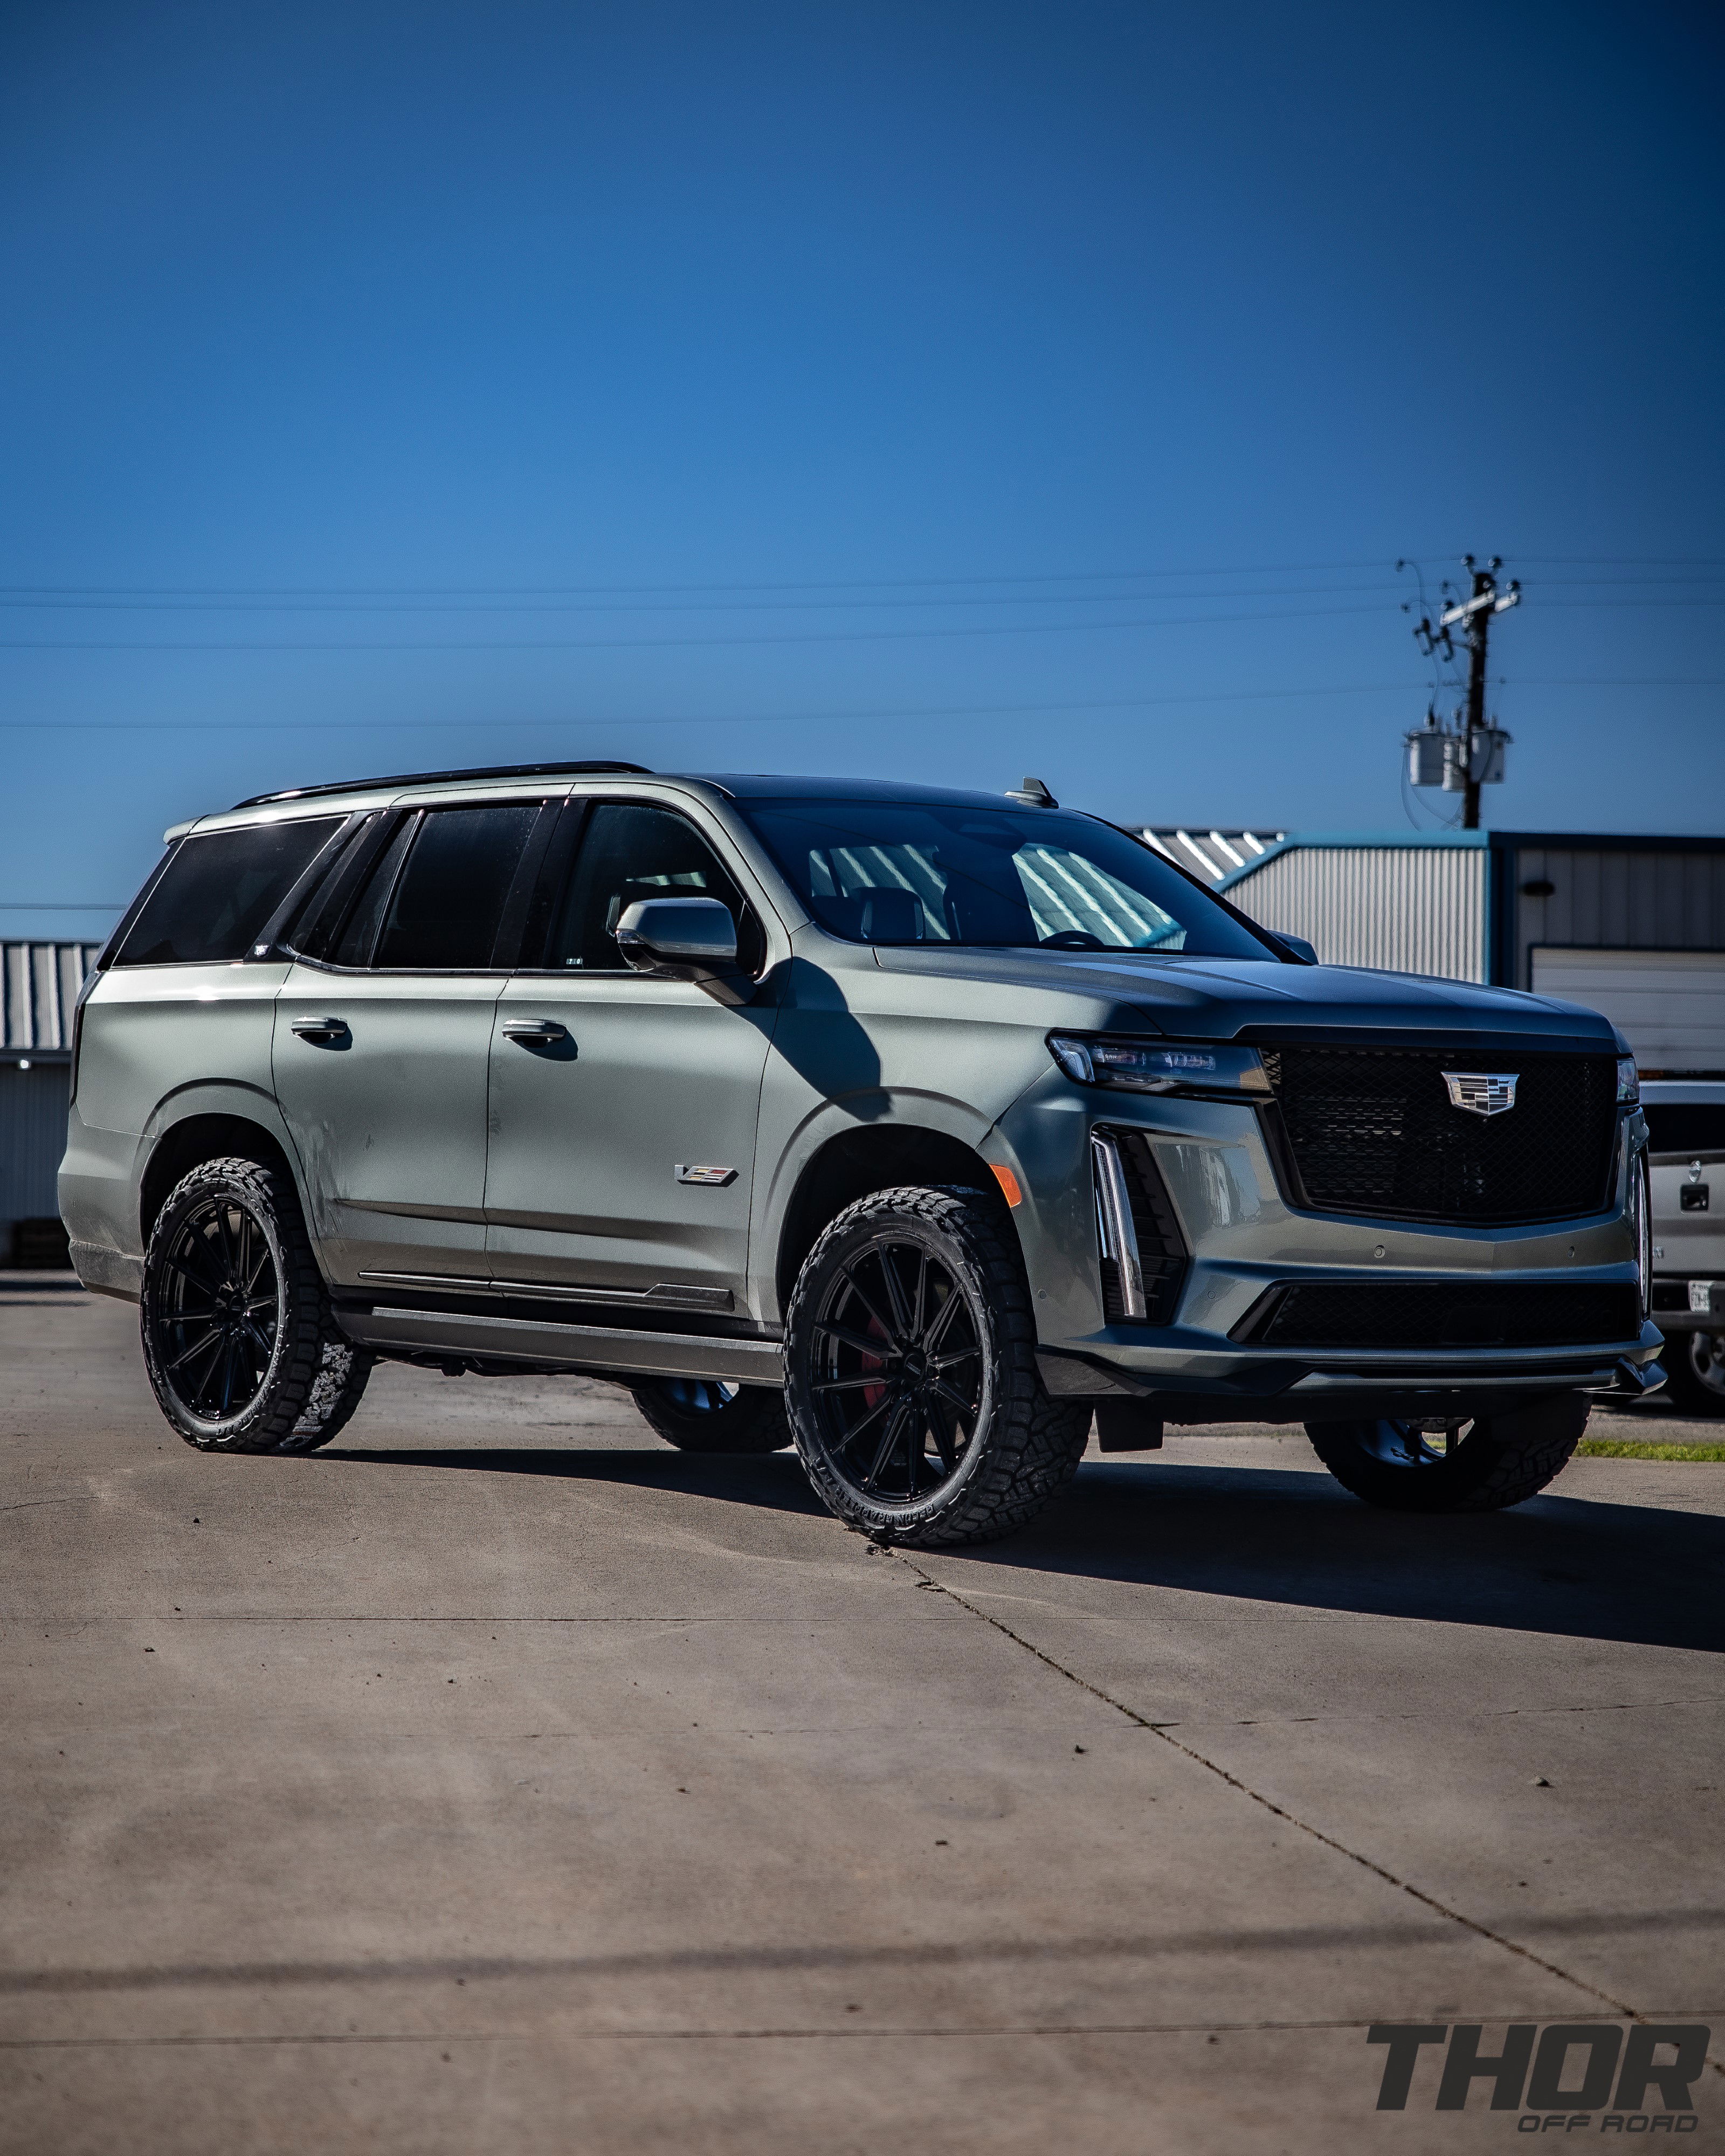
(206, 1129)
(867, 1158)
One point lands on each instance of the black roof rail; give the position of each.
(436, 778)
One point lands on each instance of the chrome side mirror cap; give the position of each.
(679, 939)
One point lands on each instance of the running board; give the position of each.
(433, 1332)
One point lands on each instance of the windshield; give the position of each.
(904, 872)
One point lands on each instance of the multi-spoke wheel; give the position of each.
(1694, 1369)
(219, 1309)
(706, 1415)
(1464, 1464)
(911, 1377)
(238, 1337)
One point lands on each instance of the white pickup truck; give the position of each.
(1686, 1157)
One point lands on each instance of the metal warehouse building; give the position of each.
(1632, 926)
(38, 990)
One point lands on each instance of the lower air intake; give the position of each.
(1443, 1314)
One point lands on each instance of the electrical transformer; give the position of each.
(1455, 761)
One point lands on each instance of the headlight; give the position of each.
(1629, 1079)
(1143, 1066)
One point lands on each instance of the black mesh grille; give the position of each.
(1444, 1314)
(1372, 1131)
(1161, 1248)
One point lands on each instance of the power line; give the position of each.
(703, 643)
(348, 605)
(831, 584)
(673, 643)
(830, 718)
(719, 719)
(425, 604)
(271, 592)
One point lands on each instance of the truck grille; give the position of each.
(1372, 1130)
(1443, 1314)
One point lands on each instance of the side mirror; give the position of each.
(679, 939)
(1299, 945)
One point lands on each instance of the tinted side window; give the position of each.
(365, 915)
(630, 852)
(444, 911)
(217, 893)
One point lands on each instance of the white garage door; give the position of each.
(1670, 1004)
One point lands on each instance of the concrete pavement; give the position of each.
(502, 1780)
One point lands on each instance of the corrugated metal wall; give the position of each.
(38, 991)
(33, 1137)
(1410, 909)
(1612, 901)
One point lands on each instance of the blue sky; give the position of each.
(940, 391)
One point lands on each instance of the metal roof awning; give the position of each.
(1211, 855)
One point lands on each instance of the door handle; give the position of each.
(318, 1028)
(534, 1028)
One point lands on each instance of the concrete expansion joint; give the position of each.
(1162, 1729)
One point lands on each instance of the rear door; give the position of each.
(623, 1108)
(383, 1031)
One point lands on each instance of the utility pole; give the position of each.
(1472, 755)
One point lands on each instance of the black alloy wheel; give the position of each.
(1464, 1465)
(219, 1312)
(898, 1381)
(709, 1414)
(911, 1373)
(240, 1345)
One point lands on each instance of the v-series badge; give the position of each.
(721, 1175)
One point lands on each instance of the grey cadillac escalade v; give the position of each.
(918, 1128)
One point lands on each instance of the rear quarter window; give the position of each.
(217, 893)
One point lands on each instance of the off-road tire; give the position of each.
(1500, 1460)
(1694, 1365)
(1024, 1448)
(336, 1391)
(693, 1415)
(299, 1399)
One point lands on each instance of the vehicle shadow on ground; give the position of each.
(774, 1479)
(1581, 1569)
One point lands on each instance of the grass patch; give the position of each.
(1617, 1448)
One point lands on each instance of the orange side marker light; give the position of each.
(1009, 1186)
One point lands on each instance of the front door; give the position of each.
(380, 1055)
(623, 1107)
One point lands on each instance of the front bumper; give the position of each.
(1242, 1238)
(1291, 1389)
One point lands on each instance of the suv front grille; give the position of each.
(1372, 1130)
(1443, 1314)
